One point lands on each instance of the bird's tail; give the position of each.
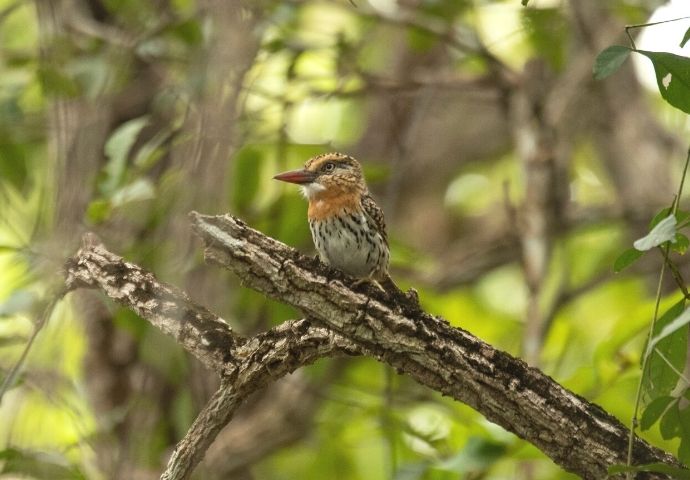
(409, 298)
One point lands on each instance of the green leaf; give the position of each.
(39, 465)
(672, 77)
(609, 60)
(684, 447)
(660, 215)
(9, 340)
(275, 45)
(684, 450)
(189, 31)
(149, 153)
(660, 379)
(669, 426)
(676, 473)
(98, 211)
(662, 232)
(479, 454)
(682, 216)
(681, 244)
(626, 259)
(117, 150)
(139, 190)
(677, 323)
(421, 40)
(55, 82)
(548, 33)
(686, 37)
(654, 410)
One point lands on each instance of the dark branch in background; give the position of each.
(576, 434)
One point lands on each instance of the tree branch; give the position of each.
(578, 435)
(246, 365)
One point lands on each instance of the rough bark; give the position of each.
(245, 364)
(576, 434)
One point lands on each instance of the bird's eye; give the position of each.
(329, 167)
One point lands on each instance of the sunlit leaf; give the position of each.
(664, 231)
(38, 465)
(140, 189)
(626, 259)
(677, 323)
(149, 153)
(672, 77)
(654, 410)
(609, 60)
(117, 149)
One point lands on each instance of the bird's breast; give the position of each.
(347, 242)
(322, 207)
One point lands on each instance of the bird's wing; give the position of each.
(374, 214)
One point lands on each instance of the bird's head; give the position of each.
(330, 174)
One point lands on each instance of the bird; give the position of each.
(347, 226)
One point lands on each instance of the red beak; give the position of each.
(296, 176)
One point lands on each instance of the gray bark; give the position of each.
(344, 319)
(578, 435)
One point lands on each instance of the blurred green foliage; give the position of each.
(309, 89)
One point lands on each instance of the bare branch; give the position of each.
(267, 357)
(246, 365)
(576, 434)
(202, 333)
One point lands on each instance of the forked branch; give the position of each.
(576, 434)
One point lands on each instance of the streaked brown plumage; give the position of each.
(347, 226)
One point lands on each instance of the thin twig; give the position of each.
(645, 360)
(14, 371)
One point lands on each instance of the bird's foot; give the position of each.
(368, 281)
(412, 296)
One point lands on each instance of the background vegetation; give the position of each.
(510, 178)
